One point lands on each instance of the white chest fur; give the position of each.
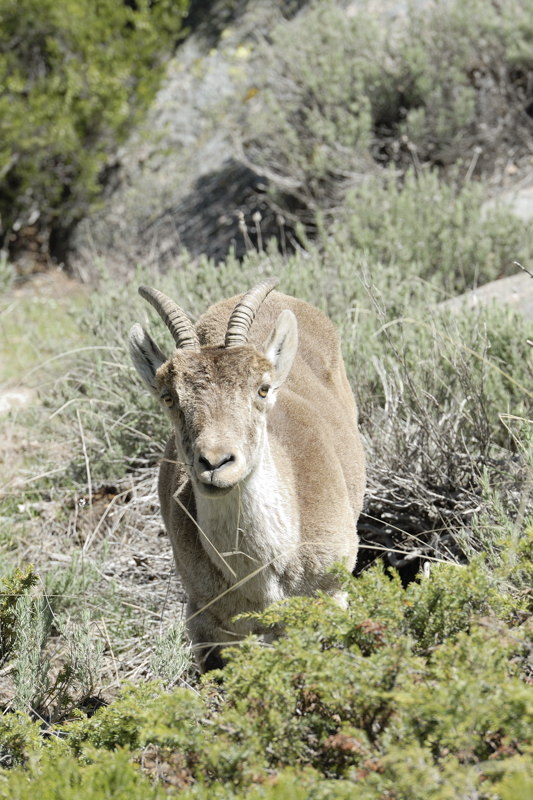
(251, 533)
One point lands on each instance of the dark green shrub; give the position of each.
(19, 738)
(142, 714)
(62, 777)
(442, 605)
(74, 76)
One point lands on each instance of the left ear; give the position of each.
(281, 346)
(146, 355)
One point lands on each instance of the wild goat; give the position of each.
(262, 481)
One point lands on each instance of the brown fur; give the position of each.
(284, 544)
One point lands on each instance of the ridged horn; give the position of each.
(175, 319)
(244, 313)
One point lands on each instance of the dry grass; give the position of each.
(103, 557)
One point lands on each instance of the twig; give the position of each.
(524, 269)
(86, 458)
(113, 659)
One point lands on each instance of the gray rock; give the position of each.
(520, 200)
(515, 292)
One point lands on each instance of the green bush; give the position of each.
(431, 230)
(358, 93)
(312, 120)
(368, 702)
(111, 775)
(19, 738)
(14, 586)
(449, 113)
(74, 76)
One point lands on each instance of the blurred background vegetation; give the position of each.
(74, 78)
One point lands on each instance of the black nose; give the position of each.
(206, 463)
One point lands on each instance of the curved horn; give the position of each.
(244, 313)
(175, 319)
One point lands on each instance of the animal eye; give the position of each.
(263, 390)
(167, 399)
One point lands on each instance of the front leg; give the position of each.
(207, 637)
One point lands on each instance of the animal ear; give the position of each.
(145, 354)
(281, 346)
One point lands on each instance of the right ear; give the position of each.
(146, 355)
(281, 346)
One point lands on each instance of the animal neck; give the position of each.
(255, 525)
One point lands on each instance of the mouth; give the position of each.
(211, 490)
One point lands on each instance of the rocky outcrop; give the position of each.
(181, 181)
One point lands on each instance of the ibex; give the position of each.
(262, 481)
